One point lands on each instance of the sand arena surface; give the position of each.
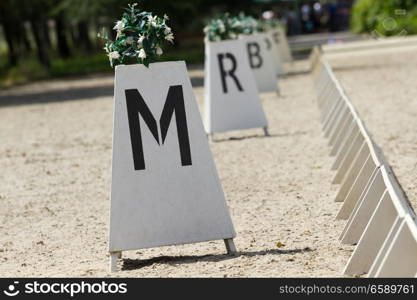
(55, 156)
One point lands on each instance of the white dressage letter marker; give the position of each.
(272, 48)
(231, 97)
(261, 62)
(282, 42)
(165, 187)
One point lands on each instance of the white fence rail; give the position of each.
(379, 218)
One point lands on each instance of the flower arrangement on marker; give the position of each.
(249, 25)
(222, 28)
(140, 37)
(268, 24)
(226, 27)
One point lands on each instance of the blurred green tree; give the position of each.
(53, 29)
(385, 18)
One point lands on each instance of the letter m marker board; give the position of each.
(165, 187)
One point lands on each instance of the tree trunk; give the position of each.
(8, 21)
(63, 47)
(25, 39)
(41, 43)
(20, 38)
(12, 51)
(45, 29)
(84, 37)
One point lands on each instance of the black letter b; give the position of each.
(255, 59)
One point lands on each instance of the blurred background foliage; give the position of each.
(385, 17)
(51, 38)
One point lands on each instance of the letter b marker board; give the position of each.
(261, 62)
(165, 187)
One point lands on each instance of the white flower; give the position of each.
(120, 25)
(237, 24)
(166, 17)
(169, 37)
(158, 51)
(152, 20)
(107, 47)
(142, 54)
(114, 55)
(132, 6)
(167, 30)
(140, 39)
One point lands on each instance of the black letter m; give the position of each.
(174, 104)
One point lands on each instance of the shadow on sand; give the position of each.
(133, 264)
(257, 136)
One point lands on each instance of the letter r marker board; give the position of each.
(231, 99)
(165, 187)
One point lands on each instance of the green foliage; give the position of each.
(87, 10)
(30, 69)
(79, 65)
(385, 18)
(38, 50)
(139, 39)
(192, 55)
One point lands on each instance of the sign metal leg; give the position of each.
(113, 260)
(230, 246)
(266, 132)
(211, 137)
